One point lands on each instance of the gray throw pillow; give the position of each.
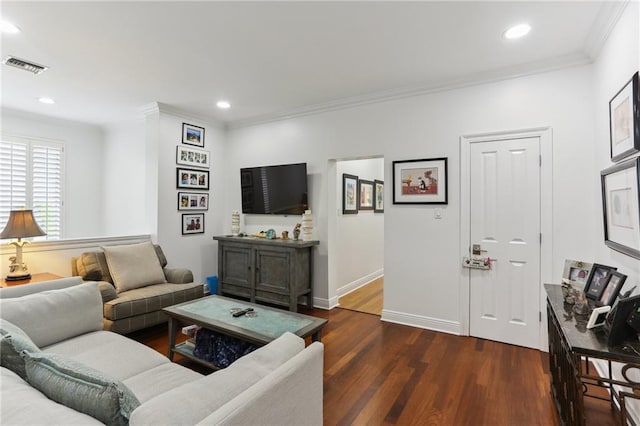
(12, 342)
(80, 387)
(134, 266)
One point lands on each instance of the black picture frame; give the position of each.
(612, 289)
(378, 196)
(192, 179)
(621, 207)
(365, 194)
(624, 120)
(192, 223)
(414, 181)
(193, 201)
(616, 323)
(349, 194)
(598, 278)
(192, 135)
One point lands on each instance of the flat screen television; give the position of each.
(278, 189)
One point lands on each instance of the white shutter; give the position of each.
(13, 178)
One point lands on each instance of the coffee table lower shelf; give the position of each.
(187, 352)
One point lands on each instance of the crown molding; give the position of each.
(522, 70)
(605, 22)
(159, 107)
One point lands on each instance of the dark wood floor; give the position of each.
(379, 373)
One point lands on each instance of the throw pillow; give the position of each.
(13, 341)
(92, 266)
(134, 266)
(80, 387)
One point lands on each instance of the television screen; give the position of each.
(274, 189)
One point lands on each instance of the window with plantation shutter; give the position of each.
(31, 174)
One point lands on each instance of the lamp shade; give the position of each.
(21, 224)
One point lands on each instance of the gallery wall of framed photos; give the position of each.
(361, 194)
(192, 179)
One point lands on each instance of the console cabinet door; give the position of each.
(237, 270)
(273, 275)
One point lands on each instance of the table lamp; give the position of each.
(21, 224)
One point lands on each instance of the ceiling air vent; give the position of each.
(24, 65)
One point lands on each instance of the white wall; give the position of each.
(361, 235)
(84, 202)
(421, 253)
(618, 61)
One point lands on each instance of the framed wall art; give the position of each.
(192, 157)
(621, 209)
(192, 179)
(420, 181)
(597, 281)
(378, 196)
(624, 120)
(193, 201)
(365, 194)
(192, 135)
(349, 194)
(192, 223)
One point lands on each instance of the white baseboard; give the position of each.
(326, 304)
(450, 327)
(354, 285)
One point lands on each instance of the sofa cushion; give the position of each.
(23, 290)
(56, 315)
(192, 402)
(134, 266)
(149, 299)
(22, 404)
(13, 341)
(80, 387)
(92, 266)
(160, 379)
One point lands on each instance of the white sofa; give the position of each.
(278, 384)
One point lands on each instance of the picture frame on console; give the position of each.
(192, 179)
(612, 289)
(420, 181)
(349, 194)
(621, 207)
(378, 196)
(193, 201)
(576, 272)
(193, 157)
(192, 223)
(597, 282)
(624, 120)
(365, 194)
(192, 135)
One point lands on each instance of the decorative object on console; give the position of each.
(597, 281)
(271, 234)
(285, 235)
(192, 157)
(349, 194)
(193, 201)
(621, 209)
(365, 194)
(21, 224)
(235, 223)
(193, 223)
(192, 179)
(576, 272)
(307, 226)
(296, 231)
(193, 135)
(616, 323)
(378, 196)
(624, 120)
(420, 181)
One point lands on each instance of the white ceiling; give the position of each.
(271, 59)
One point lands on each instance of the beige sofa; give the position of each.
(116, 380)
(135, 284)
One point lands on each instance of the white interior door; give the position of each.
(505, 221)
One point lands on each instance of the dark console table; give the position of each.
(572, 347)
(273, 271)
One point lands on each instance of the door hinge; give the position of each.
(540, 160)
(541, 238)
(539, 316)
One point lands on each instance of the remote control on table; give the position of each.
(242, 312)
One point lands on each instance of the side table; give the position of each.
(35, 278)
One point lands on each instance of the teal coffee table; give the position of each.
(214, 313)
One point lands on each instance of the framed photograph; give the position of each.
(420, 181)
(365, 194)
(597, 281)
(576, 272)
(192, 179)
(612, 289)
(621, 210)
(192, 135)
(192, 223)
(193, 201)
(349, 194)
(192, 157)
(624, 120)
(378, 196)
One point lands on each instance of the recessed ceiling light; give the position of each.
(45, 100)
(8, 27)
(517, 31)
(223, 104)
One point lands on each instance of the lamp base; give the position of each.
(18, 276)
